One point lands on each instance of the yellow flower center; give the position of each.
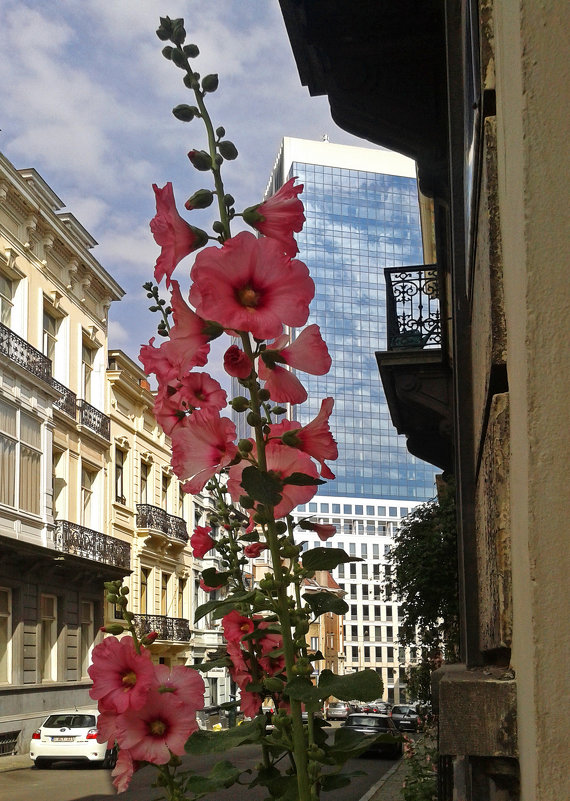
(157, 727)
(129, 679)
(248, 297)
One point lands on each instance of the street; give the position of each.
(67, 782)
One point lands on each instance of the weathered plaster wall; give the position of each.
(533, 65)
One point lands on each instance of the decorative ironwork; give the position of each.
(92, 418)
(21, 352)
(80, 541)
(412, 306)
(68, 401)
(175, 629)
(154, 517)
(177, 529)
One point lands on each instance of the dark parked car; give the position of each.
(374, 724)
(406, 717)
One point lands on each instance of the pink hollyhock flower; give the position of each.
(236, 362)
(183, 683)
(239, 670)
(279, 216)
(174, 235)
(324, 531)
(281, 462)
(315, 438)
(271, 642)
(202, 447)
(250, 285)
(201, 542)
(308, 352)
(253, 550)
(249, 703)
(180, 397)
(121, 677)
(160, 728)
(283, 385)
(123, 771)
(272, 665)
(236, 626)
(106, 724)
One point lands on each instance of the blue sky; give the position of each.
(86, 99)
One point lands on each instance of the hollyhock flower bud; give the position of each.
(200, 200)
(237, 363)
(200, 160)
(228, 150)
(210, 83)
(253, 550)
(114, 629)
(174, 235)
(279, 216)
(184, 113)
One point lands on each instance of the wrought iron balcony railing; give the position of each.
(22, 353)
(92, 418)
(81, 541)
(412, 307)
(153, 517)
(174, 629)
(68, 401)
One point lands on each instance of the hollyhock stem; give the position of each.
(299, 745)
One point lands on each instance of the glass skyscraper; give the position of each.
(362, 215)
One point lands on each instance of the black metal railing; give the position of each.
(92, 418)
(175, 629)
(68, 401)
(412, 307)
(81, 541)
(153, 517)
(24, 354)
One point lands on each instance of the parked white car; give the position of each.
(71, 735)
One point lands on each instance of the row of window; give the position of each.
(347, 509)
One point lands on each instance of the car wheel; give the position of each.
(41, 764)
(110, 758)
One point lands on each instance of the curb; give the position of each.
(381, 782)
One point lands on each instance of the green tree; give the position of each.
(424, 577)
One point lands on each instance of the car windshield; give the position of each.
(403, 710)
(70, 721)
(366, 722)
(337, 706)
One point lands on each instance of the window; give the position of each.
(50, 325)
(365, 572)
(378, 654)
(120, 476)
(390, 653)
(377, 592)
(59, 484)
(314, 643)
(358, 510)
(20, 459)
(144, 600)
(352, 570)
(389, 633)
(365, 612)
(375, 551)
(377, 612)
(87, 362)
(354, 651)
(367, 653)
(376, 572)
(364, 550)
(30, 463)
(86, 636)
(6, 300)
(88, 478)
(164, 584)
(144, 482)
(365, 591)
(366, 633)
(8, 444)
(5, 635)
(48, 638)
(388, 613)
(352, 548)
(341, 571)
(353, 590)
(354, 632)
(370, 510)
(353, 610)
(164, 491)
(181, 594)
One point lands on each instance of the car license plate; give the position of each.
(62, 739)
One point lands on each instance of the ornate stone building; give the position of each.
(476, 362)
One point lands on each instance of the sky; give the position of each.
(86, 99)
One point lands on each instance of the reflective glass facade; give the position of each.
(358, 222)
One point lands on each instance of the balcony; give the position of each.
(68, 401)
(22, 353)
(415, 375)
(158, 521)
(78, 540)
(94, 420)
(173, 629)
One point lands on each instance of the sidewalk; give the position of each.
(15, 762)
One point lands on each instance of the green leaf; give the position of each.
(316, 657)
(348, 743)
(214, 579)
(364, 685)
(299, 689)
(302, 480)
(203, 667)
(211, 742)
(326, 558)
(262, 487)
(222, 775)
(321, 602)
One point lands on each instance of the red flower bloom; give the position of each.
(174, 235)
(123, 770)
(121, 677)
(202, 447)
(324, 531)
(201, 542)
(315, 438)
(279, 216)
(250, 285)
(239, 670)
(236, 362)
(183, 683)
(308, 352)
(253, 550)
(282, 462)
(179, 397)
(236, 625)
